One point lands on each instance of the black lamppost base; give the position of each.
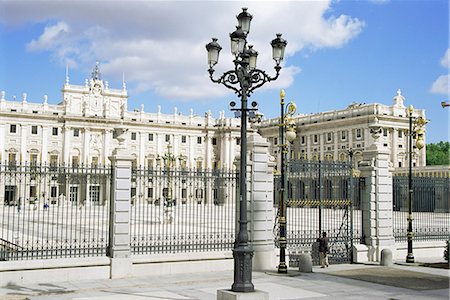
(410, 258)
(282, 268)
(243, 269)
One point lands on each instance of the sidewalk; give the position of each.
(329, 283)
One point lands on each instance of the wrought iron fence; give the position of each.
(182, 210)
(430, 206)
(49, 211)
(321, 197)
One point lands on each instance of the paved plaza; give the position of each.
(336, 282)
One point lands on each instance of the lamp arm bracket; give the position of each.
(259, 78)
(228, 79)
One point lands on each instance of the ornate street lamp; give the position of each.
(169, 160)
(418, 131)
(286, 124)
(243, 80)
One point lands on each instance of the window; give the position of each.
(183, 139)
(12, 158)
(12, 128)
(358, 133)
(33, 192)
(303, 138)
(329, 136)
(150, 163)
(385, 132)
(400, 146)
(73, 194)
(316, 138)
(238, 141)
(167, 138)
(35, 111)
(150, 193)
(399, 164)
(34, 129)
(400, 133)
(343, 135)
(76, 132)
(53, 192)
(150, 137)
(199, 140)
(133, 136)
(114, 134)
(94, 193)
(75, 161)
(214, 141)
(33, 159)
(55, 131)
(94, 162)
(53, 160)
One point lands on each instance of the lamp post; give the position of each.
(243, 80)
(418, 131)
(169, 162)
(286, 122)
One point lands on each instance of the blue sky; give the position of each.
(338, 52)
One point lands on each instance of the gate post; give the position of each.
(376, 204)
(119, 249)
(260, 209)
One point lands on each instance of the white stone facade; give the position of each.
(80, 130)
(330, 135)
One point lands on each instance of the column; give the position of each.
(119, 249)
(68, 133)
(44, 150)
(208, 149)
(376, 203)
(85, 154)
(23, 144)
(107, 141)
(141, 159)
(2, 143)
(260, 207)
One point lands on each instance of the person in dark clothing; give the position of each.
(323, 250)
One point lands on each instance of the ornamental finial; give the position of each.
(96, 75)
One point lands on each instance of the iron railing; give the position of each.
(321, 197)
(49, 211)
(430, 208)
(182, 210)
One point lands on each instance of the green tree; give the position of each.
(438, 154)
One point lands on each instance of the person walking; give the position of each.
(323, 250)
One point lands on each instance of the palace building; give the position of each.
(81, 131)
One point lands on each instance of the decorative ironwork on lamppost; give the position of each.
(243, 80)
(417, 130)
(287, 132)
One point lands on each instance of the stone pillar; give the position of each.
(119, 227)
(377, 202)
(260, 206)
(44, 149)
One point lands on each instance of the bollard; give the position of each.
(305, 263)
(386, 257)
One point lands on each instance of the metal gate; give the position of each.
(319, 198)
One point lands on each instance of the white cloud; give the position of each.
(445, 61)
(441, 85)
(50, 38)
(161, 45)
